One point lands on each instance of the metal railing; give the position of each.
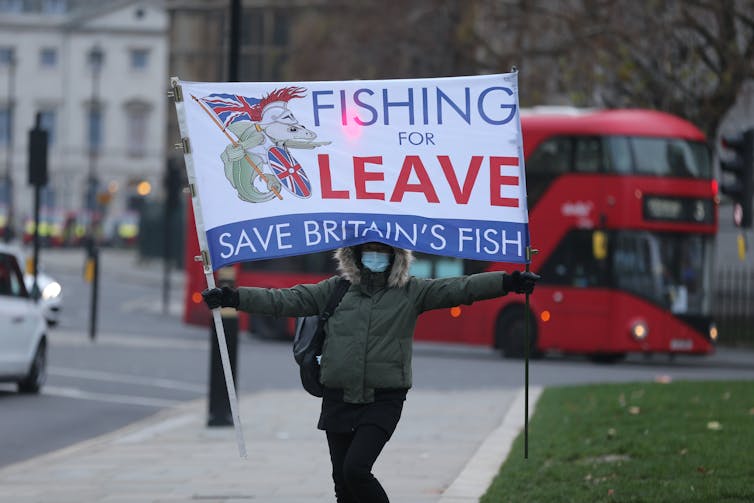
(734, 305)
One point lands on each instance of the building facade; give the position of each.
(95, 75)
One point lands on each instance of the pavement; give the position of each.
(173, 456)
(447, 449)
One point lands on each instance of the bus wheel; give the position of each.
(510, 334)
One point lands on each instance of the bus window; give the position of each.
(313, 263)
(474, 266)
(549, 160)
(665, 268)
(588, 154)
(435, 266)
(421, 268)
(618, 153)
(552, 157)
(573, 263)
(676, 160)
(701, 158)
(636, 265)
(685, 260)
(448, 268)
(671, 157)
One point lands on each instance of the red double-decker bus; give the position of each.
(623, 212)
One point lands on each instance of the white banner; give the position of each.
(432, 165)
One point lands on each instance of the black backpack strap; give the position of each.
(341, 288)
(337, 295)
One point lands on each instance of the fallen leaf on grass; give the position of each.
(751, 411)
(610, 458)
(634, 410)
(610, 492)
(714, 426)
(701, 469)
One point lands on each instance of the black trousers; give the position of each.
(353, 455)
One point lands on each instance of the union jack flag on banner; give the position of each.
(289, 172)
(231, 107)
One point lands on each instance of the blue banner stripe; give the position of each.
(287, 235)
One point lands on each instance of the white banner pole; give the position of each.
(205, 257)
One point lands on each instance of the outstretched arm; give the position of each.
(449, 292)
(300, 300)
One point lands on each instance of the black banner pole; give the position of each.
(527, 321)
(526, 364)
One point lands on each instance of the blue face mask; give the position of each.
(375, 261)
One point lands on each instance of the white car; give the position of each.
(50, 295)
(23, 342)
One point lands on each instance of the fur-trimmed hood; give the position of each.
(349, 266)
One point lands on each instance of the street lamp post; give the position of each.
(96, 58)
(8, 235)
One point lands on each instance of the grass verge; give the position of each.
(639, 442)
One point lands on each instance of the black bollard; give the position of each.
(219, 405)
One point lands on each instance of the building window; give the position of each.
(137, 116)
(15, 6)
(6, 56)
(47, 122)
(54, 6)
(94, 135)
(6, 119)
(48, 57)
(264, 39)
(95, 60)
(139, 59)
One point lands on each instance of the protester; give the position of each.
(366, 359)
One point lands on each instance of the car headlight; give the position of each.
(51, 291)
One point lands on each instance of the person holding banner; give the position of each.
(366, 358)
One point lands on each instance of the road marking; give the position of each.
(72, 338)
(109, 397)
(148, 432)
(96, 375)
(175, 307)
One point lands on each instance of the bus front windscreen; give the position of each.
(672, 270)
(658, 157)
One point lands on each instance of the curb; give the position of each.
(481, 469)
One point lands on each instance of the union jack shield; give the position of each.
(289, 172)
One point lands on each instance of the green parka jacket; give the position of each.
(369, 336)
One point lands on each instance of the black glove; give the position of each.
(221, 297)
(520, 282)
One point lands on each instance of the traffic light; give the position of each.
(741, 166)
(173, 183)
(38, 139)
